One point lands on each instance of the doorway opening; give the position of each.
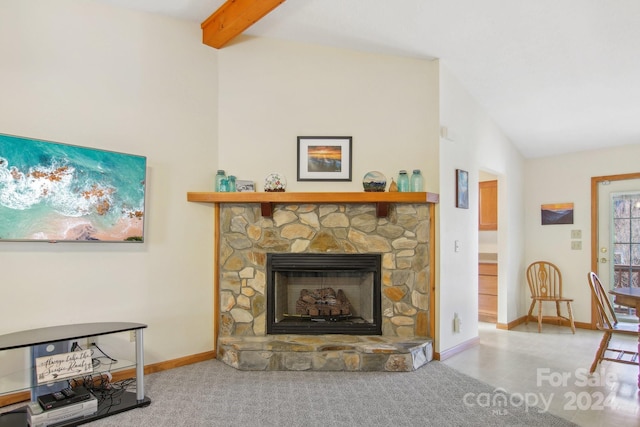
(488, 248)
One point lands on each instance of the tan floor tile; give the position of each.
(553, 367)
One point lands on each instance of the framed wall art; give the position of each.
(54, 192)
(324, 158)
(462, 189)
(243, 185)
(556, 213)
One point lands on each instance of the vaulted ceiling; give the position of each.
(556, 76)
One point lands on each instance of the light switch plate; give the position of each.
(576, 245)
(576, 234)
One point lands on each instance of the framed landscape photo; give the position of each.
(462, 189)
(243, 186)
(324, 158)
(556, 213)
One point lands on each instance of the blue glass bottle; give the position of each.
(219, 177)
(232, 183)
(403, 181)
(224, 185)
(416, 181)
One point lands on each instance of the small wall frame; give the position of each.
(324, 158)
(556, 213)
(462, 189)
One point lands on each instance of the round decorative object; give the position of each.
(374, 181)
(275, 182)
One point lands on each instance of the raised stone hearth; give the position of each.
(325, 353)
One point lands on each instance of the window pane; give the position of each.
(622, 233)
(621, 208)
(635, 231)
(635, 206)
(621, 254)
(621, 278)
(635, 255)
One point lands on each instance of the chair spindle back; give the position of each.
(545, 280)
(606, 316)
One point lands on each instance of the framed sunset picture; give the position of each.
(324, 158)
(54, 192)
(556, 213)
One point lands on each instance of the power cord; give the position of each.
(104, 354)
(95, 360)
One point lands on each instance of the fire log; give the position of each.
(323, 302)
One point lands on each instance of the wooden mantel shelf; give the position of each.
(267, 199)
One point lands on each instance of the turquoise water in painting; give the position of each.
(47, 188)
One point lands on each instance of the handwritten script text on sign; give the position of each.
(65, 365)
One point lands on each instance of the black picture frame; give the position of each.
(462, 189)
(324, 158)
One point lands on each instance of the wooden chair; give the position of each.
(545, 283)
(607, 322)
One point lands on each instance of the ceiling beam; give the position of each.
(232, 18)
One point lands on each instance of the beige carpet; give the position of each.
(214, 394)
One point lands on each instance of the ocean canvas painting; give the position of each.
(58, 192)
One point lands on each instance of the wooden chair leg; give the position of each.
(571, 322)
(526, 320)
(604, 342)
(539, 316)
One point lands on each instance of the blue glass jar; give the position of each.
(416, 184)
(231, 183)
(219, 177)
(403, 181)
(224, 185)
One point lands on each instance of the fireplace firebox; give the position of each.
(323, 294)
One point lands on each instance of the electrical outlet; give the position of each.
(132, 336)
(576, 234)
(576, 245)
(456, 323)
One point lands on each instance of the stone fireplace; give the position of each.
(392, 323)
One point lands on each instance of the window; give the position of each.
(626, 239)
(626, 246)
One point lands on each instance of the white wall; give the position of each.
(83, 73)
(475, 143)
(567, 178)
(273, 91)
